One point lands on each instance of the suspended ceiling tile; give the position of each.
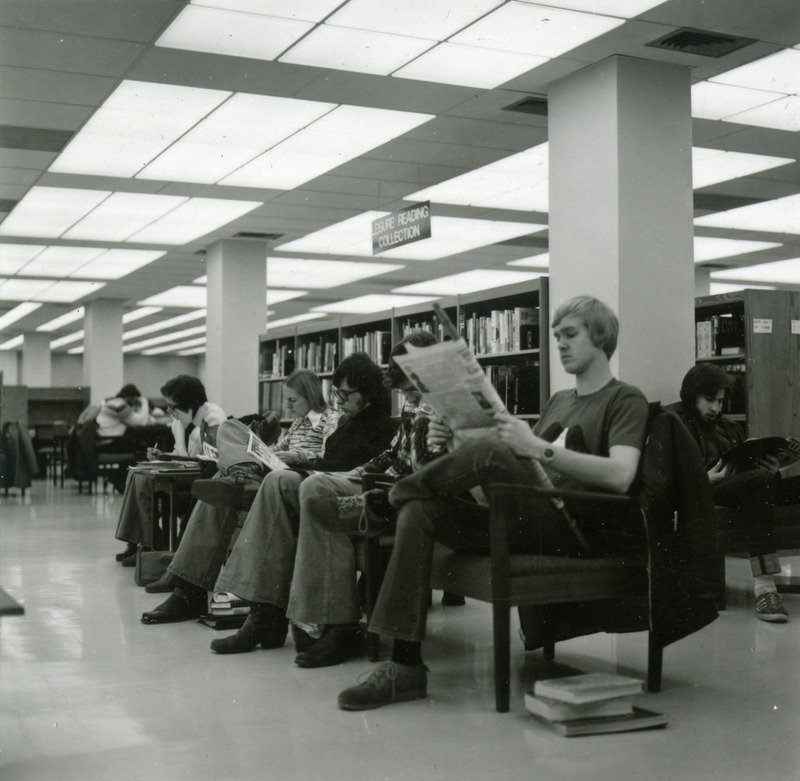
(25, 158)
(475, 132)
(430, 152)
(24, 177)
(38, 113)
(52, 86)
(63, 52)
(417, 176)
(357, 203)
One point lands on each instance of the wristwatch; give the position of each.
(548, 454)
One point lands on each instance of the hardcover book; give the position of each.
(554, 710)
(589, 687)
(640, 718)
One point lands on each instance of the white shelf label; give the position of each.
(762, 325)
(796, 326)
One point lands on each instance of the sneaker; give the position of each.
(386, 684)
(367, 508)
(769, 607)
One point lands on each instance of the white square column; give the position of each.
(36, 361)
(237, 314)
(102, 347)
(621, 212)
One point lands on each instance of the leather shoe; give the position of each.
(302, 640)
(265, 625)
(163, 585)
(336, 645)
(176, 608)
(129, 561)
(129, 551)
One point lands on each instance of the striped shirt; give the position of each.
(308, 440)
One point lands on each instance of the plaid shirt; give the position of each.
(409, 449)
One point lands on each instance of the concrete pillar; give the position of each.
(621, 212)
(237, 314)
(36, 368)
(702, 281)
(102, 347)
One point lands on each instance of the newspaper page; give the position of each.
(210, 453)
(264, 453)
(455, 386)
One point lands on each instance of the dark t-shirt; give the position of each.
(593, 423)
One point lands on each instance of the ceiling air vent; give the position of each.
(529, 105)
(257, 236)
(702, 42)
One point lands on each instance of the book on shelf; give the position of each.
(555, 710)
(749, 455)
(587, 687)
(637, 719)
(704, 347)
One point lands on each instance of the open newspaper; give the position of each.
(454, 385)
(264, 453)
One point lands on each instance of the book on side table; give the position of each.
(590, 704)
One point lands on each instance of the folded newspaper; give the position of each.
(454, 385)
(264, 453)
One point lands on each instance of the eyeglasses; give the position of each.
(343, 395)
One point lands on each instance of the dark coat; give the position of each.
(357, 440)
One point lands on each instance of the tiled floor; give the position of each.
(88, 692)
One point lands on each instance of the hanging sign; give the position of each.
(403, 227)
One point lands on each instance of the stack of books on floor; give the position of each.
(590, 704)
(225, 610)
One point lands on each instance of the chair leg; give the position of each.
(501, 613)
(372, 583)
(655, 660)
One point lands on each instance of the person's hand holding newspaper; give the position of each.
(519, 436)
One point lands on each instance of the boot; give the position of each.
(337, 644)
(266, 625)
(186, 602)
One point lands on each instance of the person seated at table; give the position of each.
(273, 552)
(598, 432)
(191, 411)
(315, 440)
(753, 492)
(128, 409)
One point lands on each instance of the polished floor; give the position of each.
(88, 692)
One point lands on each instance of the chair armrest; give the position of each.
(371, 480)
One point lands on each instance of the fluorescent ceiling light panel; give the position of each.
(189, 296)
(626, 9)
(469, 66)
(69, 339)
(192, 219)
(779, 272)
(192, 351)
(117, 263)
(233, 135)
(61, 321)
(782, 114)
(67, 291)
(781, 215)
(708, 248)
(75, 351)
(339, 136)
(451, 235)
(321, 274)
(372, 303)
(22, 289)
(467, 282)
(779, 72)
(170, 322)
(172, 347)
(232, 33)
(717, 288)
(534, 261)
(356, 50)
(138, 314)
(170, 337)
(710, 166)
(17, 313)
(347, 237)
(60, 262)
(533, 29)
(14, 256)
(431, 19)
(305, 10)
(122, 215)
(50, 211)
(201, 280)
(135, 124)
(278, 296)
(498, 184)
(12, 344)
(720, 101)
(296, 319)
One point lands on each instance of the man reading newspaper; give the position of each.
(589, 437)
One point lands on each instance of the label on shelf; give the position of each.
(762, 325)
(796, 326)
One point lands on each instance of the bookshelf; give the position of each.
(507, 328)
(754, 335)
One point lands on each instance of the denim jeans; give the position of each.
(261, 563)
(434, 508)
